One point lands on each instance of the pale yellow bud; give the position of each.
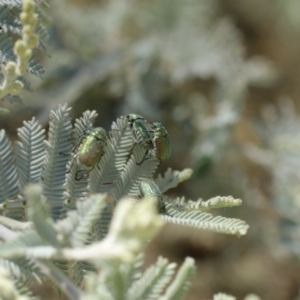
(32, 41)
(25, 17)
(20, 48)
(10, 68)
(27, 29)
(17, 86)
(27, 54)
(33, 20)
(21, 70)
(28, 6)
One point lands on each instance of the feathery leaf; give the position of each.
(39, 214)
(7, 54)
(30, 152)
(136, 270)
(9, 289)
(172, 178)
(77, 189)
(114, 158)
(215, 202)
(22, 269)
(153, 281)
(181, 283)
(133, 173)
(203, 220)
(9, 22)
(58, 149)
(8, 174)
(88, 213)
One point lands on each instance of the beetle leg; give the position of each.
(64, 154)
(144, 158)
(76, 176)
(82, 137)
(84, 174)
(72, 163)
(131, 150)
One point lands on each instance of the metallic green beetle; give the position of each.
(141, 133)
(131, 118)
(148, 188)
(161, 141)
(90, 151)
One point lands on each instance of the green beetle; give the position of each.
(161, 141)
(91, 149)
(148, 188)
(131, 118)
(141, 132)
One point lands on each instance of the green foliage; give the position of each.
(7, 289)
(71, 227)
(150, 286)
(87, 235)
(18, 39)
(181, 283)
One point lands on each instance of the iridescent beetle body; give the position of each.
(91, 150)
(139, 127)
(141, 132)
(148, 188)
(131, 118)
(161, 141)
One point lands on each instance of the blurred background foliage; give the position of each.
(223, 77)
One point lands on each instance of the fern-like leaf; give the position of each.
(181, 283)
(7, 54)
(119, 282)
(215, 202)
(127, 183)
(30, 152)
(206, 221)
(11, 289)
(85, 123)
(172, 178)
(22, 269)
(11, 3)
(77, 189)
(133, 173)
(88, 213)
(12, 98)
(104, 285)
(15, 208)
(153, 281)
(8, 173)
(38, 213)
(117, 172)
(76, 272)
(24, 290)
(9, 22)
(136, 269)
(112, 163)
(35, 68)
(43, 36)
(114, 159)
(58, 149)
(6, 46)
(28, 244)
